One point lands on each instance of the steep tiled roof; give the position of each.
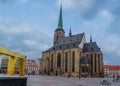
(72, 41)
(68, 39)
(64, 46)
(92, 46)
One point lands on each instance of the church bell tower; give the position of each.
(59, 32)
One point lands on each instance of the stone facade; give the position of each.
(65, 57)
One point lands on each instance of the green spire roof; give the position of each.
(60, 22)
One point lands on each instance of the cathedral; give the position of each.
(71, 55)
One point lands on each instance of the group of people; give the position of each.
(116, 77)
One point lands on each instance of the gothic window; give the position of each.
(67, 46)
(85, 69)
(66, 62)
(91, 63)
(80, 54)
(73, 61)
(73, 45)
(91, 48)
(95, 62)
(59, 60)
(51, 62)
(82, 68)
(87, 55)
(53, 48)
(57, 36)
(60, 47)
(86, 49)
(99, 62)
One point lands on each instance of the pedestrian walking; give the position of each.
(79, 76)
(28, 75)
(69, 76)
(117, 77)
(114, 77)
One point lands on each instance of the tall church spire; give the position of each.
(59, 32)
(60, 22)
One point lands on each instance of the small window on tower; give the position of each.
(53, 48)
(60, 47)
(87, 55)
(57, 36)
(86, 49)
(73, 45)
(67, 46)
(91, 48)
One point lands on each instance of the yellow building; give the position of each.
(71, 55)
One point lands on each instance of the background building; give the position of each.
(4, 63)
(110, 70)
(71, 55)
(4, 60)
(32, 67)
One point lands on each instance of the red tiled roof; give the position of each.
(112, 67)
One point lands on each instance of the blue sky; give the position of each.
(27, 26)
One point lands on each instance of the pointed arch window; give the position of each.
(73, 61)
(59, 60)
(80, 54)
(51, 62)
(95, 63)
(57, 36)
(91, 63)
(66, 62)
(99, 61)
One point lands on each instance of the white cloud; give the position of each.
(111, 44)
(10, 26)
(44, 46)
(23, 38)
(76, 4)
(105, 14)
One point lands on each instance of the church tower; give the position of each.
(59, 32)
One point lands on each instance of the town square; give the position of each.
(59, 43)
(72, 81)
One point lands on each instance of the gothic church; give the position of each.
(71, 55)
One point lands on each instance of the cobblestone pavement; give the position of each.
(36, 80)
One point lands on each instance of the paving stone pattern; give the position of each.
(37, 80)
